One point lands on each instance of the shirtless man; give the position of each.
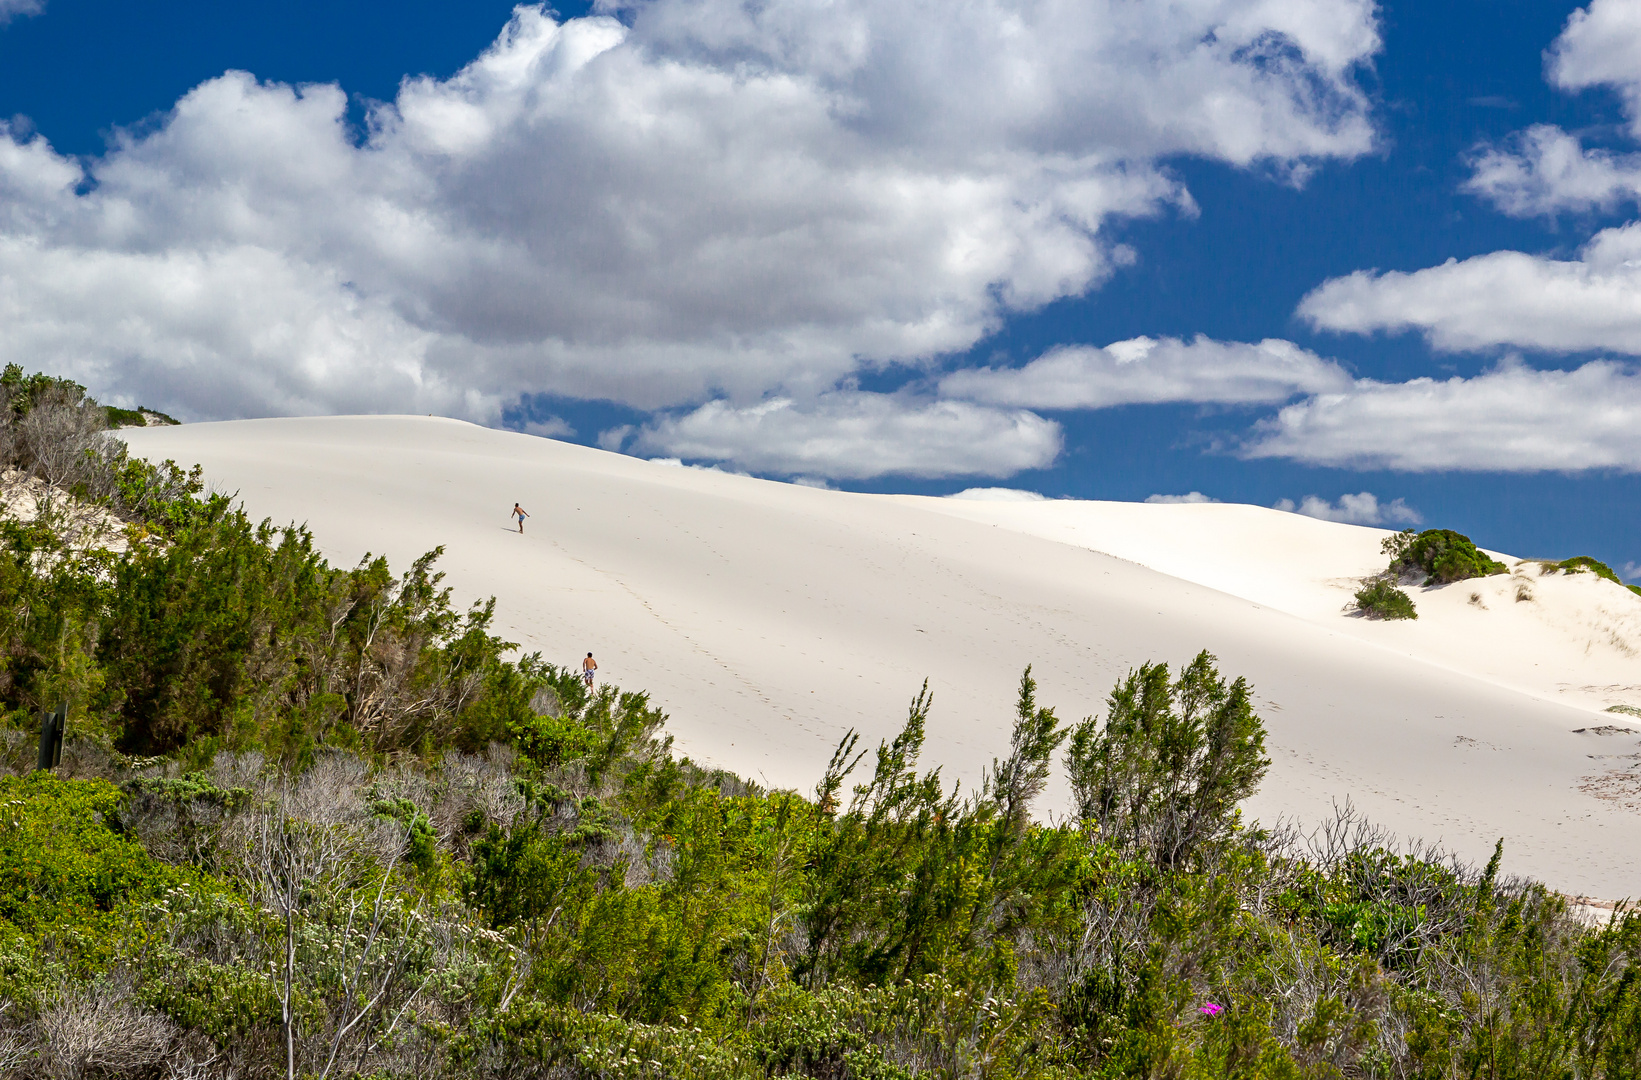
(588, 666)
(518, 512)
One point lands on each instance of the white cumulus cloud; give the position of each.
(1192, 498)
(1501, 298)
(1150, 371)
(858, 435)
(997, 494)
(1600, 46)
(1362, 508)
(11, 9)
(554, 427)
(705, 199)
(1512, 419)
(1547, 171)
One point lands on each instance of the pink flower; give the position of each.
(1211, 1009)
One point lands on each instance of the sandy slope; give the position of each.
(1572, 638)
(768, 618)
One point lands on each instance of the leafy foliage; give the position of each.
(1442, 555)
(225, 634)
(60, 860)
(1163, 774)
(1579, 564)
(1381, 598)
(21, 393)
(141, 416)
(362, 841)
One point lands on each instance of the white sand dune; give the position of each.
(768, 618)
(1563, 637)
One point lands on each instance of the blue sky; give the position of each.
(826, 241)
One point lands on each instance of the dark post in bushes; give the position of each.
(51, 736)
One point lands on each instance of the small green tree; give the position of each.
(1174, 757)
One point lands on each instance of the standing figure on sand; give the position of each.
(518, 512)
(588, 666)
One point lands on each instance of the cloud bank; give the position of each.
(1363, 508)
(1192, 498)
(1501, 298)
(1152, 371)
(702, 200)
(856, 435)
(1513, 419)
(998, 494)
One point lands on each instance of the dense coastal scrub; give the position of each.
(317, 822)
(57, 399)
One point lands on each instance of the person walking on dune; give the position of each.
(518, 512)
(588, 666)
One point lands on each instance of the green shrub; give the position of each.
(581, 903)
(223, 1001)
(138, 417)
(60, 858)
(1164, 773)
(552, 741)
(522, 876)
(191, 787)
(1380, 598)
(1579, 564)
(569, 1042)
(20, 393)
(1445, 556)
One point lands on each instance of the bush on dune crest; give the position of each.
(1432, 557)
(1441, 555)
(1579, 564)
(364, 842)
(21, 394)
